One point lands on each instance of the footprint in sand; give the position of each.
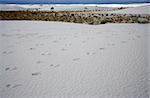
(13, 86)
(76, 59)
(123, 41)
(39, 44)
(15, 68)
(57, 65)
(17, 85)
(39, 62)
(101, 48)
(112, 44)
(52, 65)
(36, 73)
(129, 33)
(138, 36)
(83, 41)
(63, 49)
(10, 52)
(90, 53)
(70, 44)
(6, 69)
(10, 69)
(32, 48)
(42, 53)
(5, 35)
(55, 41)
(93, 53)
(8, 85)
(7, 52)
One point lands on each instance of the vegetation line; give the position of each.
(75, 17)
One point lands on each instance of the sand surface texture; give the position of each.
(66, 60)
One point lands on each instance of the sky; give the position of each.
(75, 1)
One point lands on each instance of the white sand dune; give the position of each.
(57, 7)
(134, 10)
(65, 7)
(6, 7)
(75, 8)
(66, 60)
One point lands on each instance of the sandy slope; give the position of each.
(134, 10)
(65, 60)
(57, 7)
(5, 7)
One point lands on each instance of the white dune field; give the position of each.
(77, 7)
(66, 60)
(9, 7)
(134, 10)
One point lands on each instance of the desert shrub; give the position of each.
(142, 20)
(121, 8)
(85, 8)
(104, 21)
(52, 8)
(80, 19)
(72, 14)
(93, 21)
(89, 20)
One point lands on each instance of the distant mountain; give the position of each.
(72, 1)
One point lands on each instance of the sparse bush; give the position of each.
(142, 20)
(104, 21)
(52, 8)
(85, 8)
